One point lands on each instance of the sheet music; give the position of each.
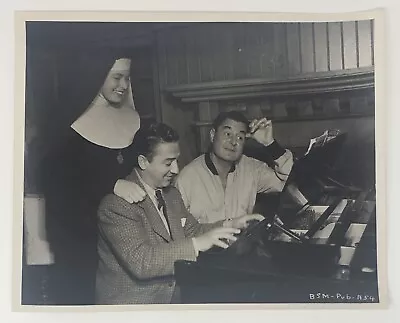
(321, 140)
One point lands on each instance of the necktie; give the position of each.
(162, 206)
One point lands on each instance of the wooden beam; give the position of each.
(322, 82)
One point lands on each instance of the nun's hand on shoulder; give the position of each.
(129, 191)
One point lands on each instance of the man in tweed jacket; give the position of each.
(139, 243)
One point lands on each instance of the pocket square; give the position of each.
(183, 221)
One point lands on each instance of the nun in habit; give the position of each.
(90, 162)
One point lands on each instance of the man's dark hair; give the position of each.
(149, 136)
(231, 115)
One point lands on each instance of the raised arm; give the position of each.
(273, 163)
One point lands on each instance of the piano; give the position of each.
(318, 245)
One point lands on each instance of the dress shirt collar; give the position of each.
(151, 192)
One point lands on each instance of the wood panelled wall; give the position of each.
(213, 58)
(230, 51)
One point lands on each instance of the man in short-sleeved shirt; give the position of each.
(224, 183)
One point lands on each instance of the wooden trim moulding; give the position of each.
(321, 82)
(301, 119)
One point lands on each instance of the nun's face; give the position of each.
(115, 86)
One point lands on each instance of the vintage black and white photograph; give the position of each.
(199, 162)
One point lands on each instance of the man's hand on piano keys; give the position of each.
(216, 237)
(243, 221)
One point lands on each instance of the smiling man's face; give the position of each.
(228, 140)
(160, 170)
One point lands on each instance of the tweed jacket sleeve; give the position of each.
(131, 232)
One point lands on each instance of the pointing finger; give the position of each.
(227, 237)
(256, 216)
(220, 243)
(223, 230)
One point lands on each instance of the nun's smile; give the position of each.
(111, 119)
(115, 86)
